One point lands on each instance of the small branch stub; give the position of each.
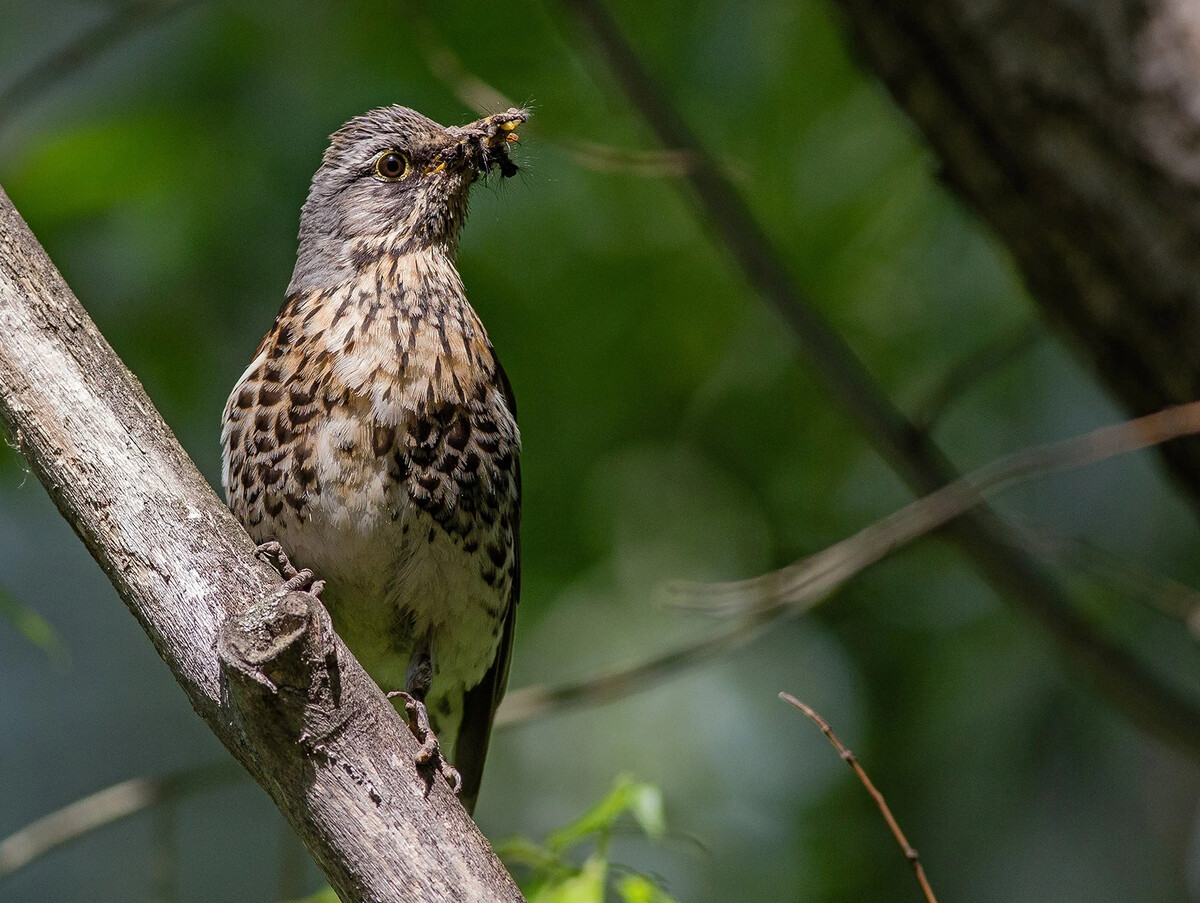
(282, 645)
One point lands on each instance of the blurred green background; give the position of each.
(670, 430)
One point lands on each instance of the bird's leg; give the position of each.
(418, 678)
(293, 580)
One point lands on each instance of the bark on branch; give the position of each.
(264, 669)
(1074, 128)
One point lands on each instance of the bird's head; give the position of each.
(394, 181)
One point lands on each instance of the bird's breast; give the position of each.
(371, 437)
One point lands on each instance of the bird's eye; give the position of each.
(391, 166)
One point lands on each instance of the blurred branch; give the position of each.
(819, 574)
(982, 363)
(649, 164)
(991, 544)
(447, 68)
(121, 25)
(164, 853)
(758, 602)
(104, 807)
(475, 93)
(1163, 594)
(264, 668)
(541, 701)
(850, 759)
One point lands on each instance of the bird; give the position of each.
(373, 439)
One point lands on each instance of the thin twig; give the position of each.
(758, 602)
(991, 543)
(649, 164)
(106, 806)
(850, 759)
(974, 369)
(1157, 592)
(126, 21)
(819, 574)
(448, 68)
(542, 701)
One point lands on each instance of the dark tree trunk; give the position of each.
(1074, 129)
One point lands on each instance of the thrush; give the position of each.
(374, 437)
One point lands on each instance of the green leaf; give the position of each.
(523, 851)
(553, 879)
(584, 886)
(647, 809)
(31, 625)
(643, 801)
(637, 888)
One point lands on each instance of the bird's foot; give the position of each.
(294, 581)
(429, 757)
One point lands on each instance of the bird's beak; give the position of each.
(481, 145)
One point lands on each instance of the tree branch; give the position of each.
(990, 543)
(111, 804)
(799, 584)
(880, 803)
(755, 604)
(264, 670)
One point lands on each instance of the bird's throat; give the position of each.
(403, 320)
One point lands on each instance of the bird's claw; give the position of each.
(429, 757)
(295, 581)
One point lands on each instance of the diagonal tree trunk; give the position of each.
(1074, 129)
(262, 667)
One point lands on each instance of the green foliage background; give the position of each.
(670, 428)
